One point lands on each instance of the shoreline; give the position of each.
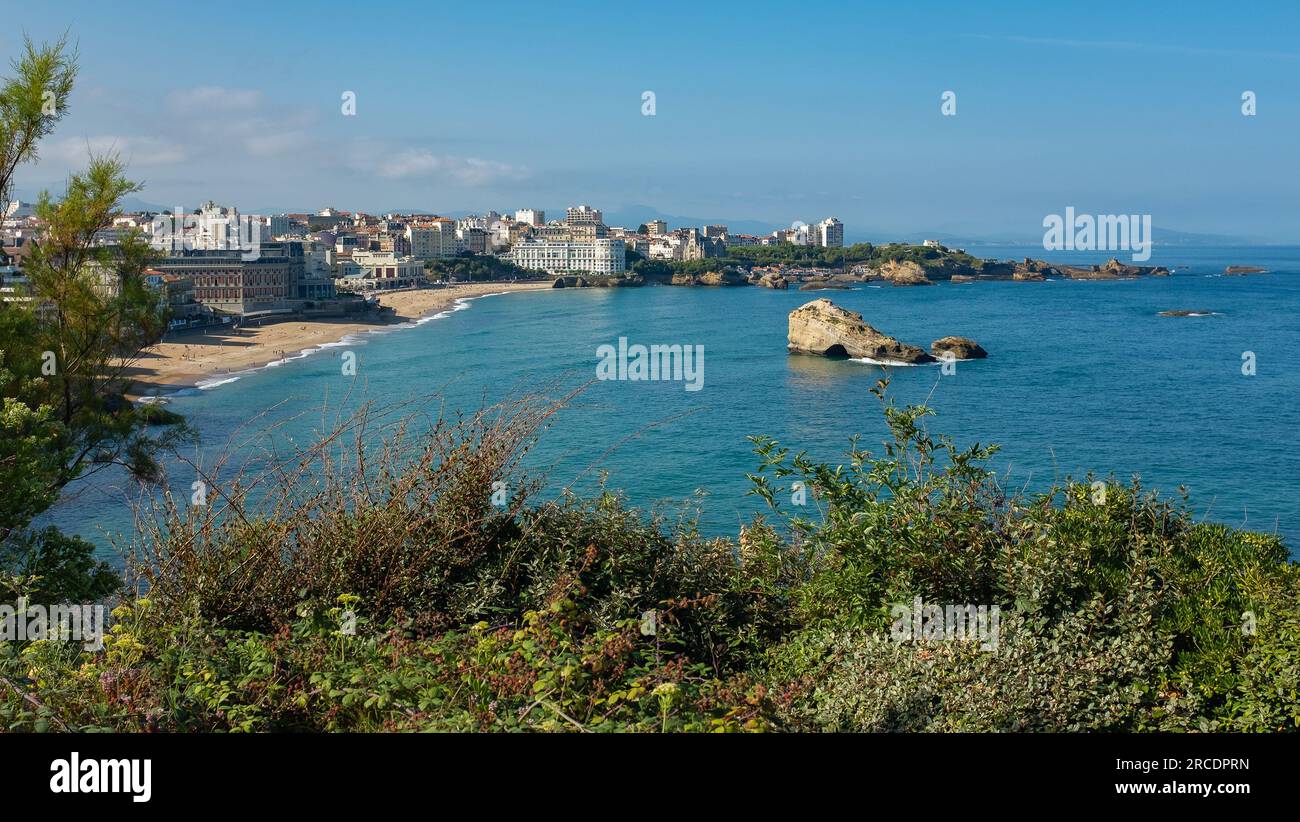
(220, 355)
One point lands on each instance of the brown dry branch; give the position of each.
(390, 504)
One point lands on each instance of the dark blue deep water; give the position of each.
(1082, 377)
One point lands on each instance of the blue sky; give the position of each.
(764, 111)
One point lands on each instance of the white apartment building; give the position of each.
(656, 227)
(665, 247)
(829, 233)
(434, 240)
(800, 235)
(583, 215)
(591, 257)
(216, 227)
(17, 210)
(499, 232)
(211, 228)
(531, 216)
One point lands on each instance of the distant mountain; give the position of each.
(136, 204)
(1167, 236)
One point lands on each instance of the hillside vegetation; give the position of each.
(369, 589)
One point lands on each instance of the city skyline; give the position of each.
(760, 114)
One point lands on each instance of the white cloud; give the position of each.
(75, 152)
(214, 98)
(269, 145)
(470, 171)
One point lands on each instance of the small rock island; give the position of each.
(823, 328)
(961, 348)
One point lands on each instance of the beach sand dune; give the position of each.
(188, 359)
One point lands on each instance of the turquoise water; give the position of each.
(1082, 376)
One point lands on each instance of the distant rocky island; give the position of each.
(897, 264)
(965, 269)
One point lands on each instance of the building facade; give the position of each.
(224, 281)
(531, 216)
(583, 215)
(830, 233)
(385, 270)
(592, 257)
(434, 240)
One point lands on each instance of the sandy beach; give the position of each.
(191, 358)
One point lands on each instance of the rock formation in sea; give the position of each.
(1237, 270)
(772, 281)
(625, 280)
(1033, 270)
(823, 285)
(726, 276)
(569, 281)
(1112, 270)
(823, 328)
(904, 272)
(961, 348)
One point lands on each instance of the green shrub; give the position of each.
(1122, 613)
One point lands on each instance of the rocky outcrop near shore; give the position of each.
(961, 348)
(823, 285)
(903, 272)
(569, 281)
(771, 281)
(726, 276)
(625, 280)
(1033, 270)
(1240, 270)
(823, 328)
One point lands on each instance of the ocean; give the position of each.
(1082, 377)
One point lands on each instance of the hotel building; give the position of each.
(225, 281)
(591, 257)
